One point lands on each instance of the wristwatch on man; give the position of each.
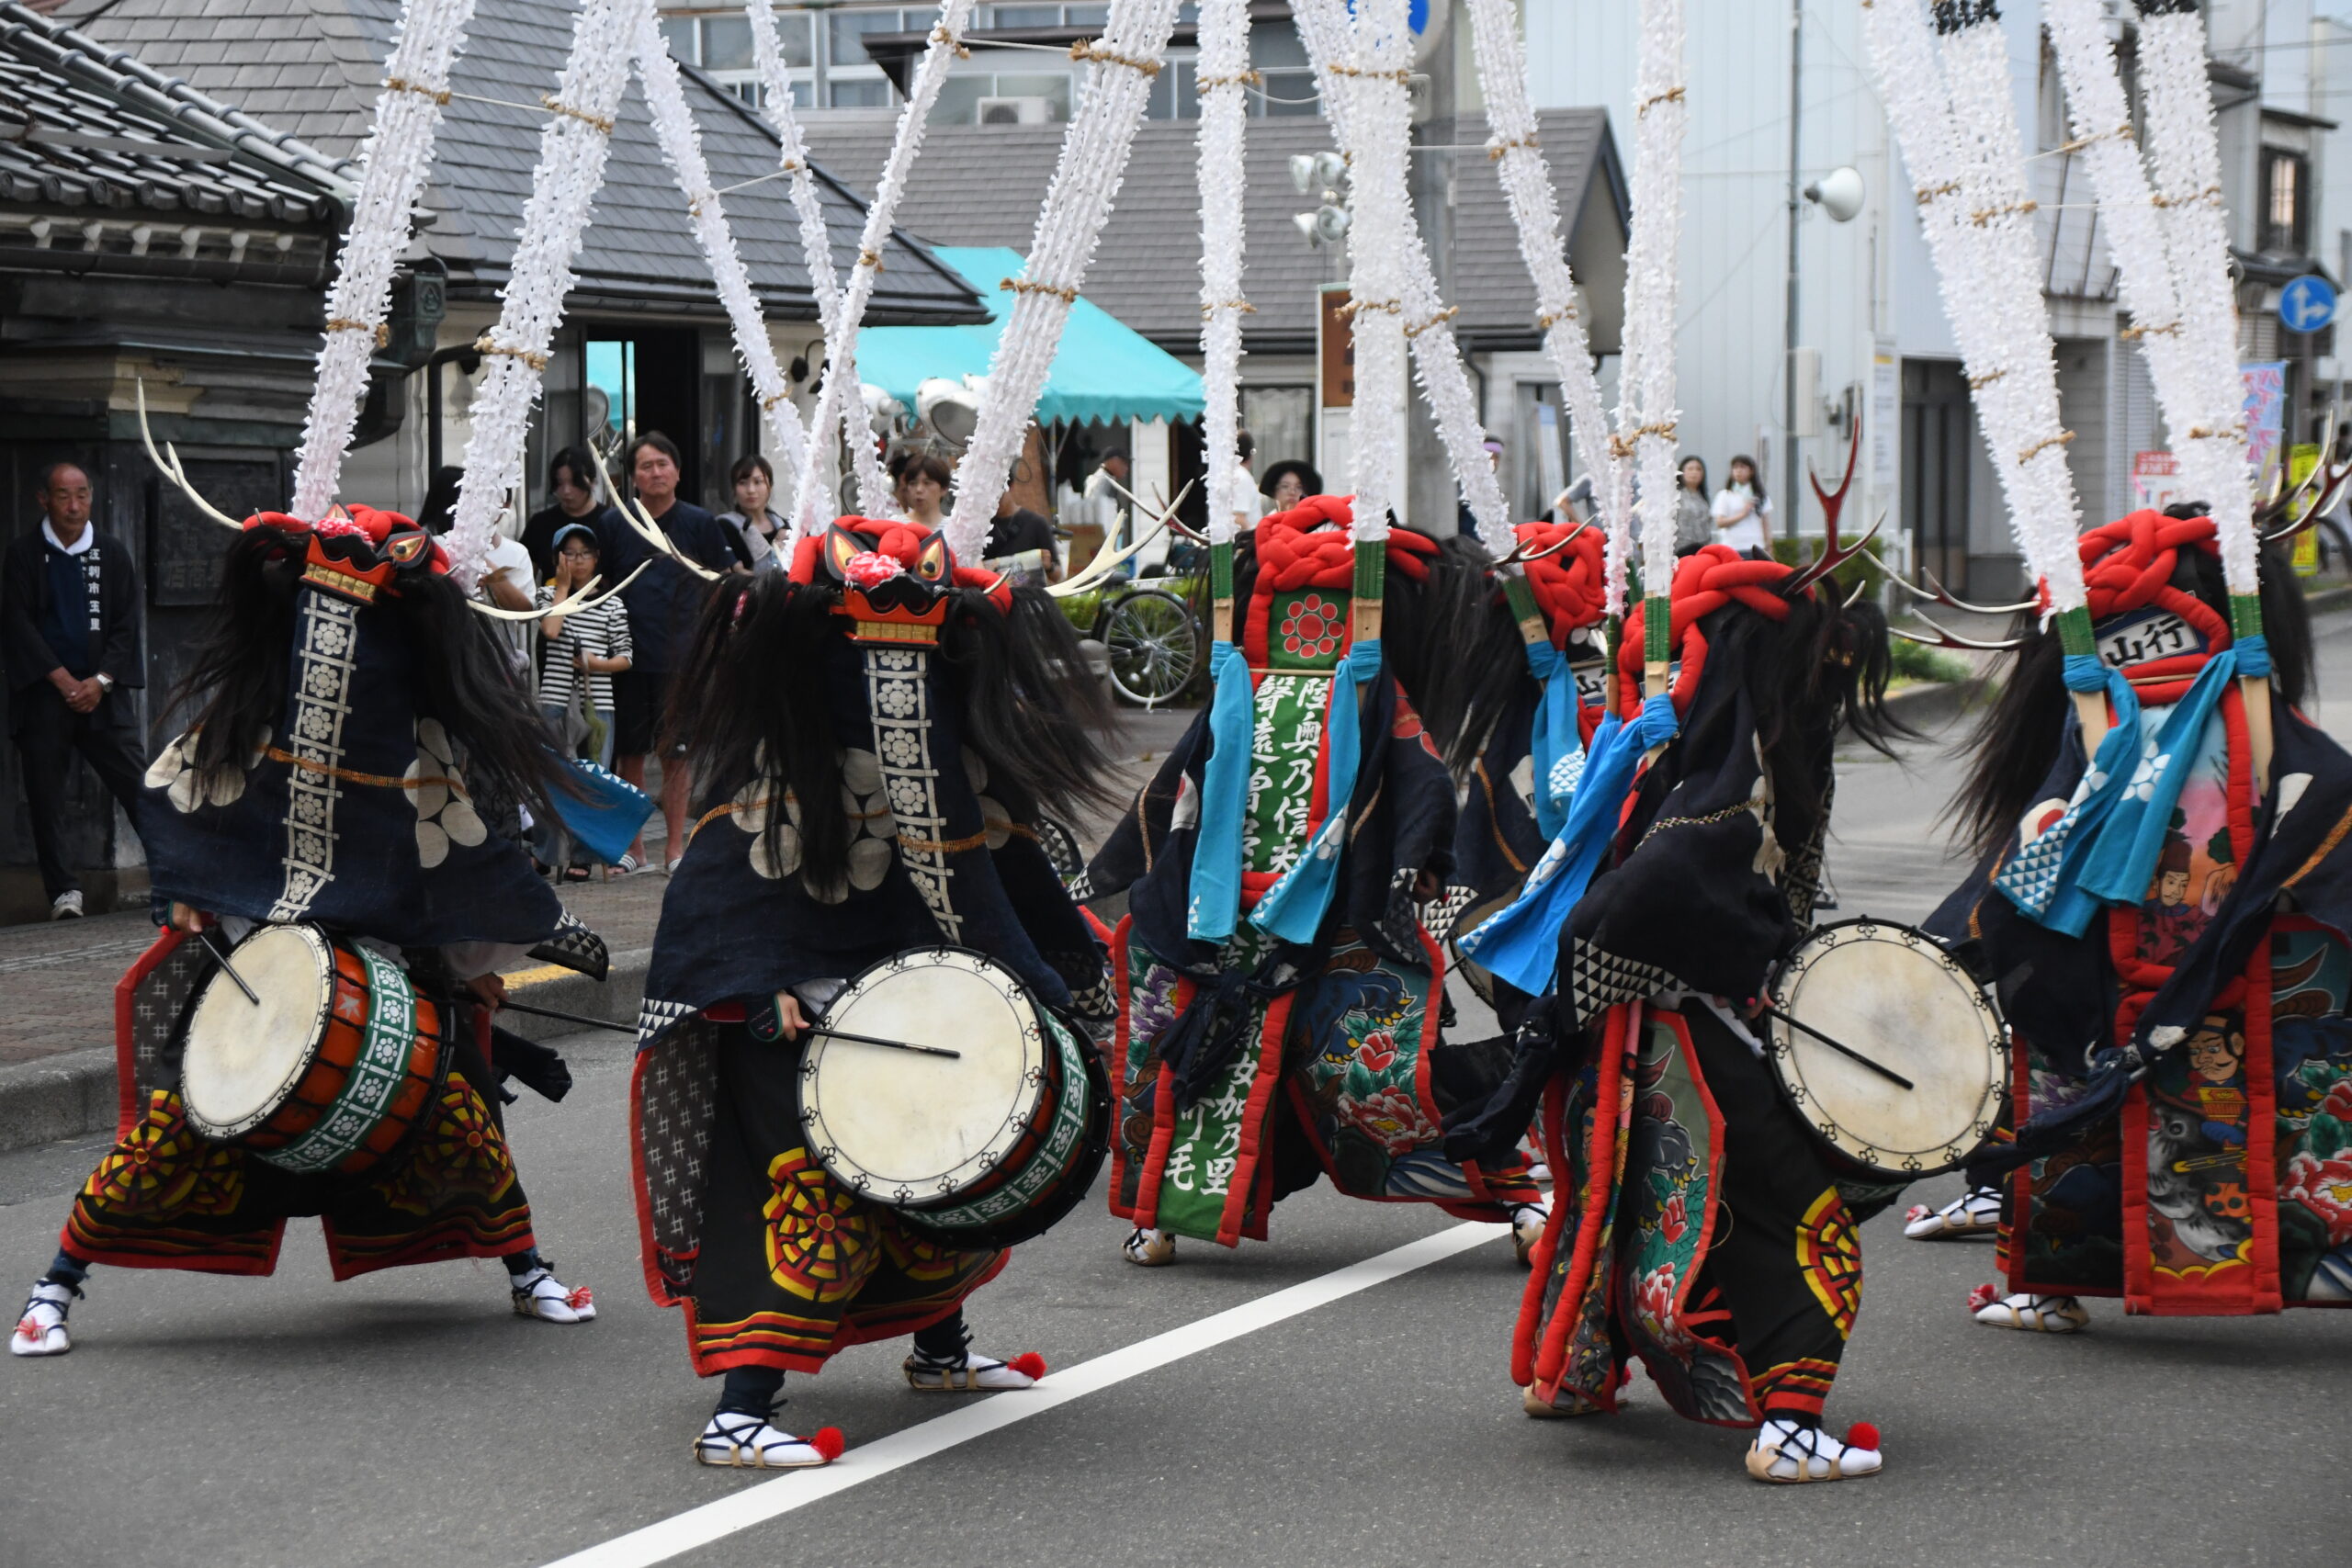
(105, 682)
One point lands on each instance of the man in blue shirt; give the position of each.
(663, 605)
(69, 631)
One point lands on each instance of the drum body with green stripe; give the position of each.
(984, 1139)
(328, 1070)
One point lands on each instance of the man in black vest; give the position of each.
(69, 630)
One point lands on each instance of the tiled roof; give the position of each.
(980, 184)
(88, 132)
(312, 67)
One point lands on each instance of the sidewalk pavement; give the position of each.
(57, 1060)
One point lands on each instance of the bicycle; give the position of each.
(1149, 630)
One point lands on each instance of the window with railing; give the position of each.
(2286, 202)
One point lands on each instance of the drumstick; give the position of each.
(572, 1018)
(894, 1045)
(220, 955)
(1889, 1074)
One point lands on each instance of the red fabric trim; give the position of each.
(1122, 1039)
(1609, 1108)
(128, 1107)
(1250, 1157)
(1547, 1251)
(852, 1331)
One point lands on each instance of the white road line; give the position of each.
(680, 1533)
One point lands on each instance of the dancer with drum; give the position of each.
(332, 840)
(864, 1071)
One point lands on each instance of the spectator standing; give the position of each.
(1694, 518)
(1018, 531)
(572, 481)
(1743, 512)
(662, 606)
(761, 527)
(69, 628)
(1250, 505)
(1289, 482)
(581, 652)
(919, 482)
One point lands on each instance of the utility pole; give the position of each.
(1792, 496)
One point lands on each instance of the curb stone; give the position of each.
(70, 1095)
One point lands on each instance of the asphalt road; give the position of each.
(410, 1417)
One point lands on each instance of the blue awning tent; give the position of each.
(1103, 371)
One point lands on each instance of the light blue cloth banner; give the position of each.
(1225, 799)
(2104, 848)
(1522, 944)
(2123, 857)
(1553, 745)
(1292, 909)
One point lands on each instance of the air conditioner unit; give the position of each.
(1016, 111)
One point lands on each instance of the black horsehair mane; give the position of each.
(242, 661)
(752, 690)
(2014, 746)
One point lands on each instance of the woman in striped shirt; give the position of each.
(582, 651)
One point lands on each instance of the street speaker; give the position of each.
(950, 408)
(1840, 193)
(1311, 172)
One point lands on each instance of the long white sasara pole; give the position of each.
(681, 143)
(570, 170)
(1646, 414)
(1535, 213)
(841, 399)
(1125, 58)
(392, 168)
(2184, 147)
(1223, 83)
(816, 246)
(1380, 211)
(1323, 28)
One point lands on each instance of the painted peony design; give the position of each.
(1392, 1119)
(2324, 1187)
(1311, 630)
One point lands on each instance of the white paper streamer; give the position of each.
(570, 170)
(681, 143)
(1093, 160)
(1224, 78)
(1323, 28)
(2184, 150)
(1646, 414)
(1526, 179)
(392, 165)
(1992, 296)
(816, 245)
(841, 399)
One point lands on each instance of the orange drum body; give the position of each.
(329, 1070)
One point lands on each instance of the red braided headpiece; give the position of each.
(1571, 585)
(1704, 581)
(2127, 565)
(1316, 528)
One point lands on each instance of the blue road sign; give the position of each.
(2307, 304)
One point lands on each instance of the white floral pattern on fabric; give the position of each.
(444, 814)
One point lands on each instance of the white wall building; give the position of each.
(1867, 300)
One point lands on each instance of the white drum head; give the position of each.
(1893, 994)
(909, 1128)
(243, 1060)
